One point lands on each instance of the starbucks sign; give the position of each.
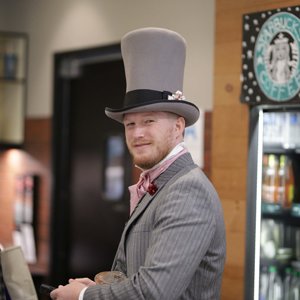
(271, 66)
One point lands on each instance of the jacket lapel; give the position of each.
(181, 163)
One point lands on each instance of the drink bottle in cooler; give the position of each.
(275, 287)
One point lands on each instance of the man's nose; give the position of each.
(139, 132)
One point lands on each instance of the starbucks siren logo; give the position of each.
(276, 57)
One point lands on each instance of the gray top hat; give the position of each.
(154, 61)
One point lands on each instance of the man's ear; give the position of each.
(180, 125)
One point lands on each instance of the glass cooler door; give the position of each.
(273, 204)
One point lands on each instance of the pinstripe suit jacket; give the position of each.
(173, 246)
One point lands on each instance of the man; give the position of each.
(173, 246)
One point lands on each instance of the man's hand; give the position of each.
(72, 290)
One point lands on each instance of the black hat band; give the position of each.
(144, 97)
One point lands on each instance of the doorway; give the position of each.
(91, 165)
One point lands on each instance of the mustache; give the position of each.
(139, 142)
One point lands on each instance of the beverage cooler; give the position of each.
(270, 86)
(273, 207)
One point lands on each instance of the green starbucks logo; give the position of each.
(276, 57)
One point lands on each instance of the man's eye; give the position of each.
(129, 124)
(149, 121)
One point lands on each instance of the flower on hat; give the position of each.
(177, 96)
(152, 188)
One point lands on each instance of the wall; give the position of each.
(55, 26)
(230, 133)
